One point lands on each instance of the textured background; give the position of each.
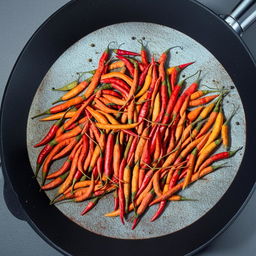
(18, 21)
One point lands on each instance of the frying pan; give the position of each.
(28, 204)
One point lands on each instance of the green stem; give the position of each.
(47, 112)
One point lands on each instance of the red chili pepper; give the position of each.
(153, 138)
(183, 174)
(143, 53)
(129, 132)
(132, 148)
(142, 77)
(95, 172)
(175, 178)
(176, 71)
(105, 70)
(90, 205)
(160, 210)
(115, 81)
(128, 64)
(43, 154)
(108, 167)
(144, 110)
(72, 126)
(218, 157)
(182, 66)
(162, 204)
(124, 52)
(117, 84)
(50, 135)
(162, 61)
(111, 92)
(145, 182)
(98, 193)
(191, 89)
(145, 107)
(175, 103)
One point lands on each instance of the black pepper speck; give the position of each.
(133, 38)
(92, 45)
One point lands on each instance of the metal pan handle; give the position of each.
(11, 199)
(235, 19)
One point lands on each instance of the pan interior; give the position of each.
(83, 56)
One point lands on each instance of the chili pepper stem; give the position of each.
(54, 199)
(187, 199)
(47, 112)
(232, 115)
(72, 186)
(199, 71)
(234, 151)
(57, 101)
(177, 46)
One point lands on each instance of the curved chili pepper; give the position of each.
(143, 206)
(96, 77)
(143, 53)
(124, 52)
(108, 167)
(160, 210)
(115, 81)
(90, 205)
(55, 183)
(111, 92)
(43, 154)
(127, 63)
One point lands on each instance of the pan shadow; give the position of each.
(238, 236)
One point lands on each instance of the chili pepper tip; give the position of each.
(37, 170)
(135, 222)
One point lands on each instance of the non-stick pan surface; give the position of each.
(53, 38)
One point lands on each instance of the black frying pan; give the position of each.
(48, 43)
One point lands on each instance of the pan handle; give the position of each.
(235, 19)
(11, 199)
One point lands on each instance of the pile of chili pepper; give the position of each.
(134, 128)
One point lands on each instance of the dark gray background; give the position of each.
(18, 21)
